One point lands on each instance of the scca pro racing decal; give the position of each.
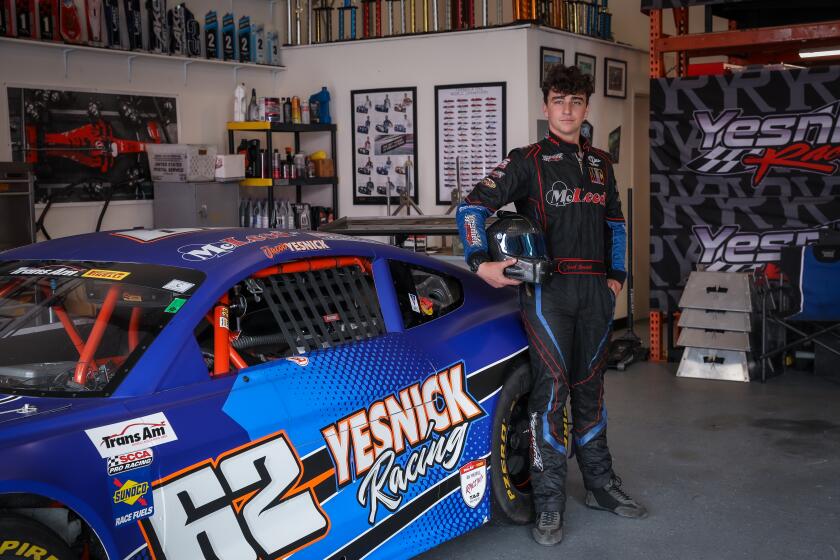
(396, 440)
(734, 143)
(130, 461)
(245, 504)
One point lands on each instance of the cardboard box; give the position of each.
(324, 168)
(181, 163)
(230, 166)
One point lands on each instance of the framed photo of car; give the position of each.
(586, 63)
(469, 135)
(384, 144)
(548, 58)
(615, 78)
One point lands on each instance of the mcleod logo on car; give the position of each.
(197, 252)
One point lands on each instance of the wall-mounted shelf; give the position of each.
(279, 127)
(67, 49)
(288, 182)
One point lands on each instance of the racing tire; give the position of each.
(19, 537)
(510, 456)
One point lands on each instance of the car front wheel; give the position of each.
(21, 537)
(510, 458)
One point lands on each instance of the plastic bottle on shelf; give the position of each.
(310, 168)
(264, 215)
(279, 214)
(239, 106)
(255, 214)
(290, 215)
(300, 165)
(323, 100)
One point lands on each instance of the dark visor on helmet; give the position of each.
(522, 245)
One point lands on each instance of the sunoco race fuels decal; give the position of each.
(366, 444)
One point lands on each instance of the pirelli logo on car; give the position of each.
(106, 274)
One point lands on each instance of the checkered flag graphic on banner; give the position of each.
(721, 160)
(112, 462)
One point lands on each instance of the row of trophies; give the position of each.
(150, 26)
(587, 17)
(141, 26)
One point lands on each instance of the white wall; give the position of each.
(422, 62)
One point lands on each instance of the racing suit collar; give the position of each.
(564, 146)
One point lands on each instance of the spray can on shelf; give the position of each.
(287, 110)
(276, 164)
(265, 164)
(304, 111)
(296, 109)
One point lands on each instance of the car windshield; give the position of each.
(75, 328)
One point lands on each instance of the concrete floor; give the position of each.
(727, 470)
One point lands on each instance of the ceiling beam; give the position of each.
(794, 37)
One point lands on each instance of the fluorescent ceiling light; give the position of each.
(817, 54)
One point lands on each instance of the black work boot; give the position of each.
(612, 498)
(548, 529)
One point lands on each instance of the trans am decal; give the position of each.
(132, 435)
(365, 444)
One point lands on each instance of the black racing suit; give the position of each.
(568, 319)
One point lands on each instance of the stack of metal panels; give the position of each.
(715, 326)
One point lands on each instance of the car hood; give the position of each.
(20, 408)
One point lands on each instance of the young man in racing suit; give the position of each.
(567, 187)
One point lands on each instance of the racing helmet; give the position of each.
(517, 236)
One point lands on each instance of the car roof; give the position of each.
(203, 249)
(223, 254)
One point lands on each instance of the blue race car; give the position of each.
(240, 394)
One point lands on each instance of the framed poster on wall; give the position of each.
(58, 131)
(470, 135)
(384, 144)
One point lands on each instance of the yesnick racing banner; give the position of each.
(740, 166)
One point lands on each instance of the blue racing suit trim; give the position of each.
(546, 428)
(471, 219)
(591, 434)
(619, 244)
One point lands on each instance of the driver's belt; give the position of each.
(579, 266)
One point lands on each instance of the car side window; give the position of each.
(424, 294)
(284, 312)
